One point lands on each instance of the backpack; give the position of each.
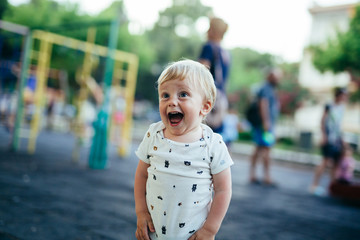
(252, 114)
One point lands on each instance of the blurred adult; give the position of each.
(263, 135)
(217, 59)
(332, 142)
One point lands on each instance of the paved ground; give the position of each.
(47, 196)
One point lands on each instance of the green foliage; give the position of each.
(245, 136)
(65, 19)
(341, 53)
(287, 141)
(3, 6)
(250, 71)
(174, 36)
(175, 32)
(246, 68)
(246, 71)
(291, 94)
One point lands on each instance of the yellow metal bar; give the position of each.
(129, 99)
(129, 75)
(41, 79)
(84, 46)
(83, 93)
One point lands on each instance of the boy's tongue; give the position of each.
(176, 118)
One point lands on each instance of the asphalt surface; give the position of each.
(47, 196)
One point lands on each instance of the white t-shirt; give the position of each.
(179, 186)
(333, 122)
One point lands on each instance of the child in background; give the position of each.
(344, 186)
(345, 168)
(182, 161)
(231, 122)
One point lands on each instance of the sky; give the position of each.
(279, 27)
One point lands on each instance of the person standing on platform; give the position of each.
(217, 59)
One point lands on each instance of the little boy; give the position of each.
(183, 181)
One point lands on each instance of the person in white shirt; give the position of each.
(183, 180)
(332, 142)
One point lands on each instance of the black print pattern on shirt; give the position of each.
(163, 230)
(159, 197)
(154, 177)
(181, 225)
(187, 163)
(192, 231)
(200, 172)
(194, 187)
(167, 163)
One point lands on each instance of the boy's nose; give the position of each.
(172, 101)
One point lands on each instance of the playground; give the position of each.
(29, 102)
(47, 196)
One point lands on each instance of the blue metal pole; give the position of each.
(98, 152)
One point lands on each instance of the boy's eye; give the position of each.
(165, 95)
(183, 94)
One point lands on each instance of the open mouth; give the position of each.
(175, 118)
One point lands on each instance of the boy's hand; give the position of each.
(203, 234)
(144, 223)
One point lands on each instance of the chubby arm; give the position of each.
(144, 221)
(219, 207)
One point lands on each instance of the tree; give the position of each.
(174, 36)
(65, 19)
(3, 6)
(247, 68)
(342, 53)
(291, 94)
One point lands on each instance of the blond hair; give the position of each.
(195, 72)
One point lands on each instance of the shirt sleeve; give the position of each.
(206, 53)
(143, 149)
(220, 157)
(263, 93)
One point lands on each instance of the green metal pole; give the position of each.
(98, 151)
(20, 99)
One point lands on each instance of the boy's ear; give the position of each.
(206, 108)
